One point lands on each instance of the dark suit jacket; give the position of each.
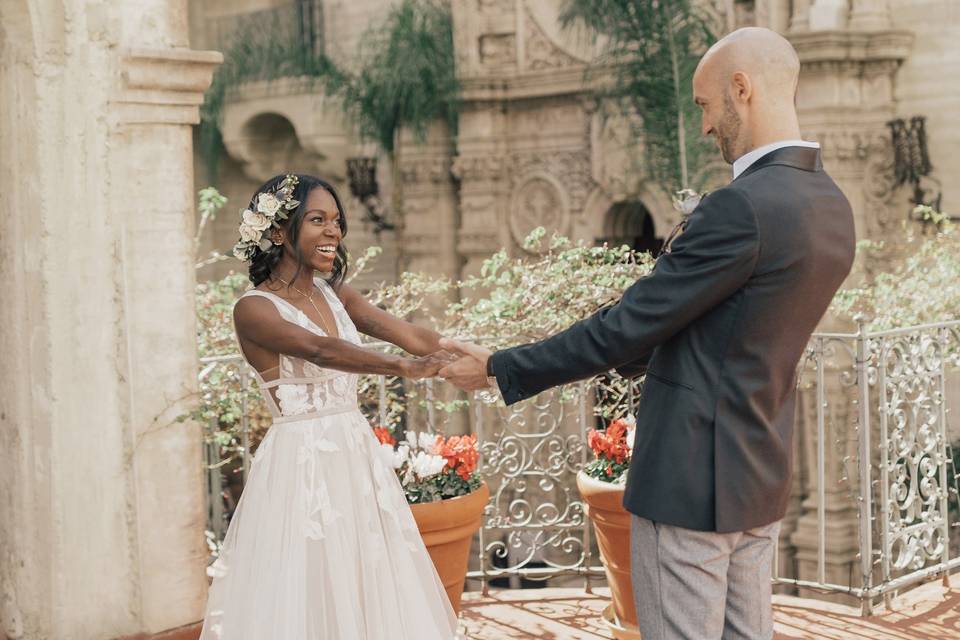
(719, 325)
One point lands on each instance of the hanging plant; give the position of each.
(406, 76)
(652, 49)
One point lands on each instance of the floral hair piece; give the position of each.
(270, 209)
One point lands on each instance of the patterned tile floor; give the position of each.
(930, 612)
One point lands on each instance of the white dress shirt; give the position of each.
(743, 163)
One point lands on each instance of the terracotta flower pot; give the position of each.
(611, 522)
(447, 528)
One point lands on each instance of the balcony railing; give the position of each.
(873, 447)
(295, 26)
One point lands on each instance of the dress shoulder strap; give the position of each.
(287, 311)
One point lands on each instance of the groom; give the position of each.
(718, 327)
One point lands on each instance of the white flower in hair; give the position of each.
(268, 204)
(242, 251)
(269, 210)
(248, 233)
(256, 220)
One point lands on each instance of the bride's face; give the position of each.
(320, 232)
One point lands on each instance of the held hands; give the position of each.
(427, 366)
(469, 371)
(462, 363)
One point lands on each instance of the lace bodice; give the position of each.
(301, 388)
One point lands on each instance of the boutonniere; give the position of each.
(686, 200)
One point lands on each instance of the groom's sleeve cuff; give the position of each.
(497, 372)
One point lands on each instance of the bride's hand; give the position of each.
(427, 366)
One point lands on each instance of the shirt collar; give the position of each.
(743, 163)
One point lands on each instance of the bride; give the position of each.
(322, 545)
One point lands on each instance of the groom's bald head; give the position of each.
(764, 55)
(746, 85)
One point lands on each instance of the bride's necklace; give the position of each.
(323, 322)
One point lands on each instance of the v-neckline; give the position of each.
(316, 326)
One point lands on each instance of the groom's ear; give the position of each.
(741, 87)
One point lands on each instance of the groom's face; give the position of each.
(719, 116)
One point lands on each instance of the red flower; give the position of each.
(611, 443)
(461, 454)
(384, 436)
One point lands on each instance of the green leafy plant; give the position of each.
(267, 46)
(407, 75)
(921, 286)
(652, 49)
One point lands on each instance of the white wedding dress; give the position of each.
(322, 545)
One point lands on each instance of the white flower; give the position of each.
(242, 251)
(686, 201)
(426, 465)
(255, 220)
(293, 399)
(400, 456)
(427, 440)
(267, 203)
(631, 436)
(385, 450)
(411, 439)
(248, 233)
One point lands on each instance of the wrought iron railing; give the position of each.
(874, 451)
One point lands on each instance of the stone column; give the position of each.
(800, 20)
(427, 198)
(153, 111)
(870, 14)
(828, 15)
(773, 14)
(101, 504)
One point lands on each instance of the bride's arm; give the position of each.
(258, 321)
(377, 323)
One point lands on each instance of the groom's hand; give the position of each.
(469, 373)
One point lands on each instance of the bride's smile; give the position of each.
(321, 232)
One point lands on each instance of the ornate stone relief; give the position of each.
(616, 156)
(497, 49)
(540, 52)
(569, 168)
(478, 168)
(539, 201)
(425, 169)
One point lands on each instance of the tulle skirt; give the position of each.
(323, 546)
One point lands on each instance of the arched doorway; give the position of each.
(631, 224)
(272, 146)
